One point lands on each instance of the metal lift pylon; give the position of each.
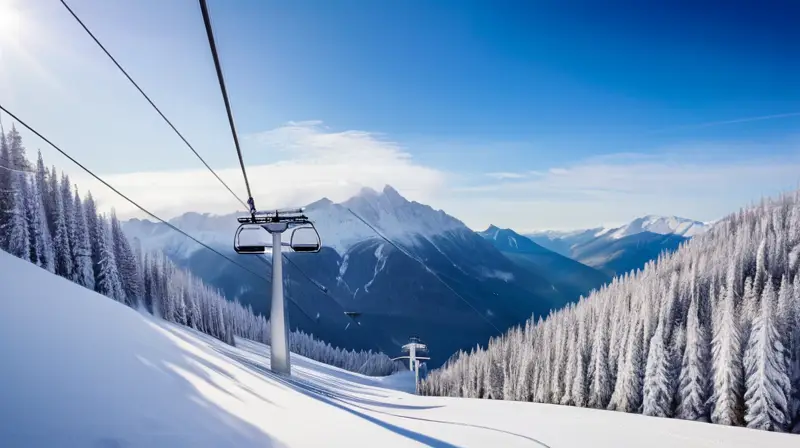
(261, 233)
(414, 345)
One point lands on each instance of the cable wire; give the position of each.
(124, 72)
(122, 195)
(135, 204)
(424, 266)
(189, 145)
(213, 46)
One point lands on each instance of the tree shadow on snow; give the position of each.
(185, 415)
(329, 398)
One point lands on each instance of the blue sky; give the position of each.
(543, 114)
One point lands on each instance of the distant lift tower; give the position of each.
(414, 345)
(253, 237)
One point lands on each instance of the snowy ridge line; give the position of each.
(427, 269)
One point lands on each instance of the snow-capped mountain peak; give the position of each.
(397, 218)
(340, 225)
(663, 225)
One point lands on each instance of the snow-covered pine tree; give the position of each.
(41, 184)
(766, 370)
(19, 160)
(32, 220)
(657, 391)
(107, 280)
(694, 385)
(795, 364)
(65, 191)
(627, 396)
(601, 386)
(126, 261)
(16, 226)
(6, 190)
(727, 364)
(61, 245)
(95, 233)
(82, 248)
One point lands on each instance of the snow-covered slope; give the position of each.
(80, 370)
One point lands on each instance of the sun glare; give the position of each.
(10, 21)
(11, 27)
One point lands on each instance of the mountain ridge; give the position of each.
(442, 268)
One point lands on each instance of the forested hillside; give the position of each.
(44, 220)
(708, 333)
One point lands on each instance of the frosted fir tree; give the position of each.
(627, 396)
(19, 160)
(694, 386)
(40, 243)
(601, 386)
(107, 281)
(6, 190)
(579, 391)
(727, 364)
(16, 226)
(65, 191)
(95, 239)
(126, 261)
(61, 246)
(795, 359)
(785, 324)
(766, 370)
(570, 365)
(657, 389)
(82, 248)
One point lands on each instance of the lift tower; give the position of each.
(261, 233)
(414, 345)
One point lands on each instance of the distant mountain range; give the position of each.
(437, 279)
(570, 277)
(399, 294)
(615, 251)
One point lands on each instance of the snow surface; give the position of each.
(82, 370)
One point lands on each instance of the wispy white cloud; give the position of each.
(506, 175)
(621, 187)
(726, 122)
(313, 163)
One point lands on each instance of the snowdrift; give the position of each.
(79, 369)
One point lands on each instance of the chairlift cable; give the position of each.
(213, 46)
(426, 268)
(146, 97)
(122, 195)
(135, 204)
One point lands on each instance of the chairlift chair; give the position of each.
(353, 315)
(255, 232)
